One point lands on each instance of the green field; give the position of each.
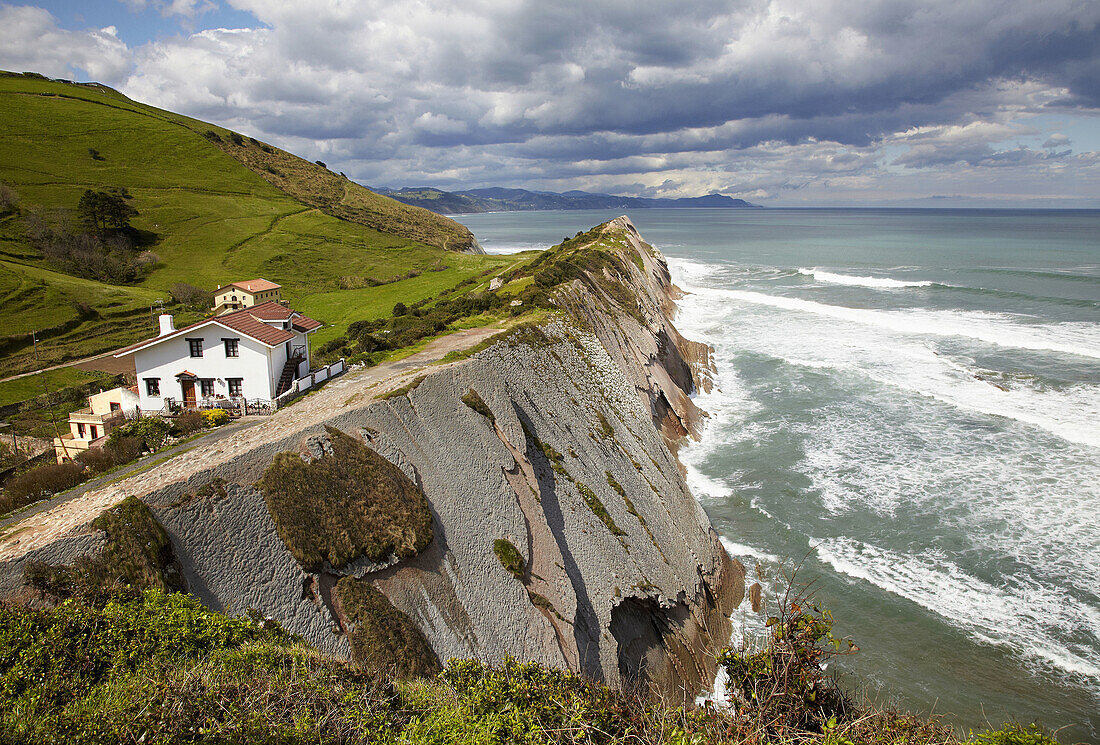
(220, 212)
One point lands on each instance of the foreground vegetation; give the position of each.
(157, 667)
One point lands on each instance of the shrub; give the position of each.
(321, 163)
(236, 139)
(42, 482)
(510, 557)
(212, 136)
(152, 431)
(783, 686)
(1015, 734)
(97, 460)
(187, 423)
(215, 417)
(193, 297)
(124, 449)
(9, 199)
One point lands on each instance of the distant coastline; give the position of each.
(496, 199)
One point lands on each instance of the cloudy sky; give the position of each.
(783, 102)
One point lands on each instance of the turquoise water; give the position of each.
(908, 407)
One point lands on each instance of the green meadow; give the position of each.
(221, 207)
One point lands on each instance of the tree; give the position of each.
(103, 211)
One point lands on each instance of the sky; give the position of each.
(781, 102)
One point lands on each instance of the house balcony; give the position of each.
(107, 421)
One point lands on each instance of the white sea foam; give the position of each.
(1082, 339)
(1038, 621)
(742, 551)
(878, 283)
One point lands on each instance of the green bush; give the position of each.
(152, 431)
(1015, 734)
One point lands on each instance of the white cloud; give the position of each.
(30, 40)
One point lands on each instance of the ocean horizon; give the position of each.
(905, 410)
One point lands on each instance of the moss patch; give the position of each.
(598, 509)
(510, 557)
(383, 639)
(348, 504)
(478, 404)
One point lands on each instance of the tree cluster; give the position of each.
(97, 241)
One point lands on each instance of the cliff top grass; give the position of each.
(349, 503)
(161, 668)
(218, 206)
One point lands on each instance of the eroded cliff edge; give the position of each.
(557, 438)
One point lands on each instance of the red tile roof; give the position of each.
(253, 285)
(247, 321)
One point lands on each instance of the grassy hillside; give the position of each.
(220, 211)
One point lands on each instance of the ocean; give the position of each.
(907, 412)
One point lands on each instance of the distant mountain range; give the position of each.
(497, 199)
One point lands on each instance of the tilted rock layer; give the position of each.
(623, 577)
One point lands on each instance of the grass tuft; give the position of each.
(347, 504)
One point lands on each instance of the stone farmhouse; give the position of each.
(253, 353)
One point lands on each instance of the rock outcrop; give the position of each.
(557, 437)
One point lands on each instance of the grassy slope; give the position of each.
(220, 215)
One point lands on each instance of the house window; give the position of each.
(235, 385)
(80, 430)
(95, 432)
(196, 347)
(152, 386)
(116, 406)
(232, 348)
(206, 387)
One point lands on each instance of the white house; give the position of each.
(90, 426)
(252, 353)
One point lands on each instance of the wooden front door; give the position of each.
(188, 387)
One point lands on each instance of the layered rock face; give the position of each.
(554, 439)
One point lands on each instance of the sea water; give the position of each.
(907, 412)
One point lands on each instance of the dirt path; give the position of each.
(73, 510)
(125, 364)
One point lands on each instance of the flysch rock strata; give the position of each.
(651, 604)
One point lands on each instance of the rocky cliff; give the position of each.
(524, 501)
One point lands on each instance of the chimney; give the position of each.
(167, 325)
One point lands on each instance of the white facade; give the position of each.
(214, 373)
